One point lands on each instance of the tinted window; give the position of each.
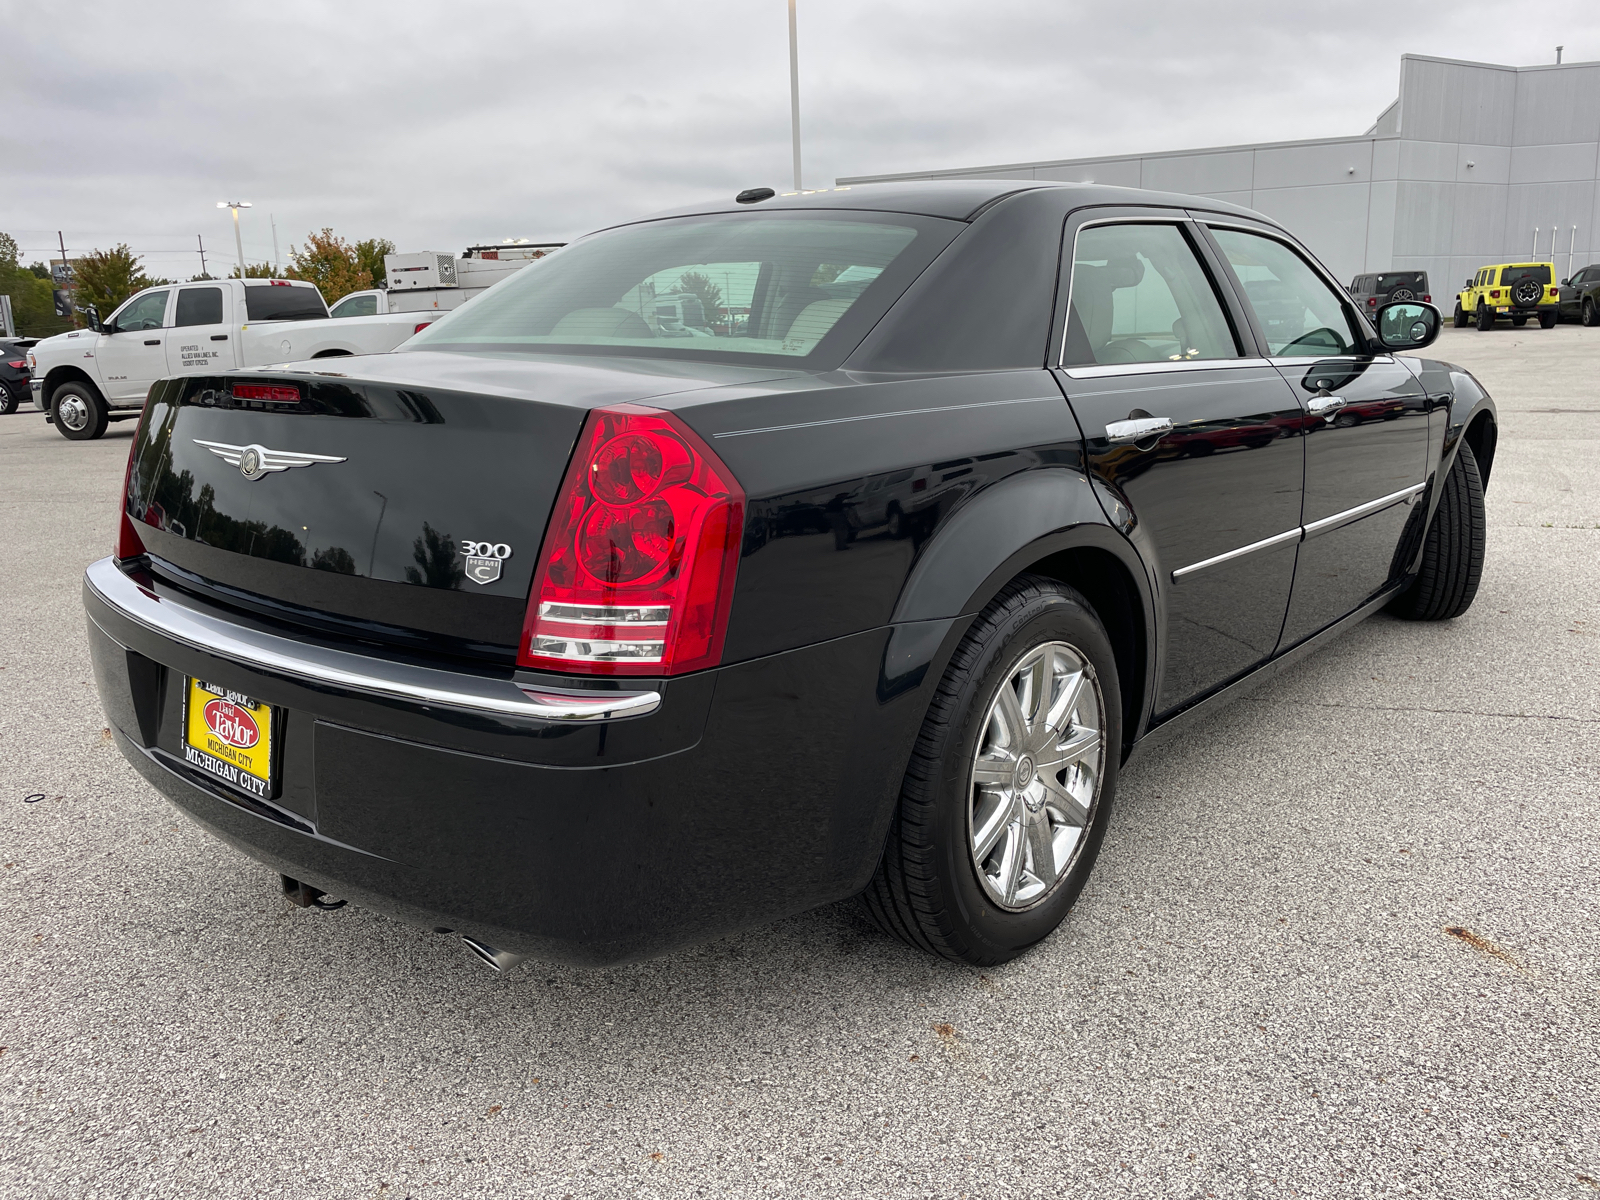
(1414, 280)
(1139, 294)
(143, 312)
(199, 306)
(1299, 313)
(274, 303)
(1513, 275)
(356, 306)
(740, 286)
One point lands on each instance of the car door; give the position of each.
(1570, 297)
(201, 338)
(131, 356)
(1366, 443)
(1194, 437)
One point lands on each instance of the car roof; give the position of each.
(952, 199)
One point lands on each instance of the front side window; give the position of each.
(1140, 295)
(143, 312)
(1299, 313)
(795, 289)
(199, 306)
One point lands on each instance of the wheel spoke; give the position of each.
(988, 828)
(1066, 704)
(1079, 745)
(1042, 849)
(1011, 862)
(1008, 708)
(994, 771)
(1067, 806)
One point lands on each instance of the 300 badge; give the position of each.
(484, 559)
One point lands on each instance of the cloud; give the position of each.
(438, 125)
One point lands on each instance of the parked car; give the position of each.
(1373, 291)
(88, 377)
(1579, 297)
(13, 372)
(548, 630)
(1519, 291)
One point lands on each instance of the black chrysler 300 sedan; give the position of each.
(744, 558)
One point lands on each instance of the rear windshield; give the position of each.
(797, 288)
(1410, 279)
(1512, 275)
(269, 303)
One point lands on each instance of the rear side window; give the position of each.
(1299, 313)
(356, 306)
(271, 303)
(1140, 295)
(199, 306)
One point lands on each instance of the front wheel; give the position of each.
(1461, 316)
(1008, 793)
(8, 400)
(1591, 315)
(1452, 551)
(80, 415)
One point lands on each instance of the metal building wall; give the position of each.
(1457, 173)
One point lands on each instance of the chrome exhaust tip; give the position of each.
(498, 961)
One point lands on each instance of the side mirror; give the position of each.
(1406, 325)
(1566, 283)
(91, 318)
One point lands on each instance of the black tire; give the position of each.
(1518, 322)
(1485, 317)
(1461, 316)
(1452, 550)
(9, 401)
(895, 523)
(926, 890)
(1591, 315)
(1547, 319)
(93, 424)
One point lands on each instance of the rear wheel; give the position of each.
(1452, 550)
(1009, 789)
(80, 415)
(1485, 317)
(1461, 316)
(1547, 319)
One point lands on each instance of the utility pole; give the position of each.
(1559, 49)
(277, 265)
(794, 93)
(202, 242)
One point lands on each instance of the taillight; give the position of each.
(1495, 295)
(421, 325)
(19, 365)
(636, 573)
(277, 393)
(1427, 299)
(128, 543)
(1372, 302)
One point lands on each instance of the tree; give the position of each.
(331, 263)
(369, 254)
(108, 277)
(32, 297)
(698, 284)
(255, 271)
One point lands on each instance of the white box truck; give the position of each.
(432, 282)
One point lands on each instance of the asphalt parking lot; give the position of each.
(1342, 942)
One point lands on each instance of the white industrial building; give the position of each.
(1473, 164)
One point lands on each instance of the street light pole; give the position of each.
(238, 243)
(794, 93)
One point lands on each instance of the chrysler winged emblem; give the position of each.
(255, 461)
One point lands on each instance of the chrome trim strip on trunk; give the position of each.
(1362, 510)
(1265, 543)
(354, 672)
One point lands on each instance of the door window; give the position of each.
(1300, 313)
(199, 306)
(356, 306)
(143, 312)
(1140, 295)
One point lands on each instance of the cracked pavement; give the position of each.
(1341, 942)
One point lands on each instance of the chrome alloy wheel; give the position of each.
(1036, 776)
(73, 412)
(1401, 294)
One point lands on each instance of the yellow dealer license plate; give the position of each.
(229, 737)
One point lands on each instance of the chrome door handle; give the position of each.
(1139, 430)
(1321, 406)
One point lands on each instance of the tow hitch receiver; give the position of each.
(303, 895)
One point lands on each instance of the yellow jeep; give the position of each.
(1515, 290)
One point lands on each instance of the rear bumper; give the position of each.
(744, 794)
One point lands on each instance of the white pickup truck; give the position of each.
(88, 377)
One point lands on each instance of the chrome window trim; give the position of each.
(1302, 532)
(1362, 510)
(1300, 360)
(1112, 370)
(1072, 270)
(1264, 544)
(343, 670)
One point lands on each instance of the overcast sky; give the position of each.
(439, 124)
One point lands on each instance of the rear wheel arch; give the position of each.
(335, 353)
